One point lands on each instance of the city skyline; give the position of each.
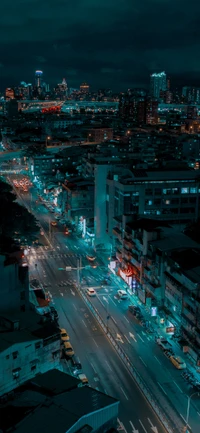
(108, 44)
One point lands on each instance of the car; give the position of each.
(68, 349)
(54, 223)
(91, 292)
(163, 343)
(135, 310)
(83, 378)
(64, 335)
(90, 257)
(178, 362)
(122, 294)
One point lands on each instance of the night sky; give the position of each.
(108, 43)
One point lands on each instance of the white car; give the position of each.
(91, 292)
(122, 294)
(83, 378)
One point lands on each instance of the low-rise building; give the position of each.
(28, 346)
(78, 201)
(58, 401)
(99, 135)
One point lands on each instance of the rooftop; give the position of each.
(40, 403)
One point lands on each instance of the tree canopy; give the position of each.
(34, 149)
(16, 222)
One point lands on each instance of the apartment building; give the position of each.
(78, 199)
(99, 135)
(161, 266)
(27, 347)
(167, 194)
(14, 287)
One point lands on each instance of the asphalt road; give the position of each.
(163, 379)
(100, 362)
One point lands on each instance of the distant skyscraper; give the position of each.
(84, 88)
(9, 93)
(158, 82)
(38, 78)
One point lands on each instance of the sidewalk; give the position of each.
(160, 330)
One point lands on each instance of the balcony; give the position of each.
(175, 300)
(118, 255)
(154, 289)
(147, 272)
(127, 256)
(128, 243)
(135, 261)
(189, 300)
(117, 233)
(173, 284)
(189, 316)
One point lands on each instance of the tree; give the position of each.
(34, 149)
(16, 221)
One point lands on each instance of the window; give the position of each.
(22, 295)
(167, 201)
(15, 354)
(158, 191)
(33, 367)
(15, 372)
(193, 190)
(184, 190)
(136, 193)
(166, 191)
(37, 345)
(148, 191)
(148, 202)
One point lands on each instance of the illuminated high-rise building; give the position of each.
(158, 83)
(84, 88)
(9, 93)
(38, 78)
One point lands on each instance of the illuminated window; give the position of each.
(193, 190)
(184, 190)
(167, 201)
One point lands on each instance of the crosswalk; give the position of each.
(55, 256)
(44, 253)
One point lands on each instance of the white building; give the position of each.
(27, 347)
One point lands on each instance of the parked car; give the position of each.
(68, 349)
(122, 294)
(64, 335)
(135, 310)
(83, 378)
(178, 362)
(163, 343)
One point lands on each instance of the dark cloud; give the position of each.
(111, 43)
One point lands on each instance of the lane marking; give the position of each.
(157, 359)
(162, 388)
(93, 367)
(126, 319)
(124, 393)
(143, 361)
(140, 337)
(127, 339)
(84, 323)
(142, 426)
(114, 320)
(134, 429)
(178, 387)
(108, 365)
(95, 342)
(185, 421)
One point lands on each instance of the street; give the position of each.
(90, 342)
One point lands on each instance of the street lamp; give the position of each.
(188, 411)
